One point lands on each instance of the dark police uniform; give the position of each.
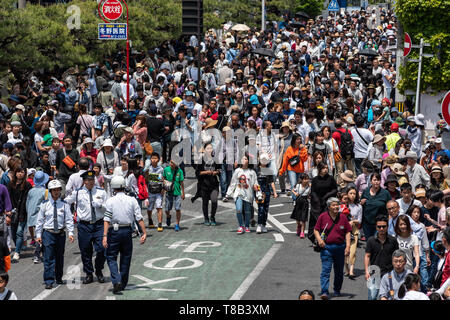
(90, 208)
(53, 219)
(121, 212)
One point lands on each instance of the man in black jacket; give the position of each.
(155, 130)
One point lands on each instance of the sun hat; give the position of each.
(436, 169)
(397, 168)
(348, 176)
(378, 138)
(40, 178)
(420, 193)
(391, 178)
(210, 123)
(391, 160)
(107, 143)
(411, 154)
(419, 119)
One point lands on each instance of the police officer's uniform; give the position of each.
(90, 208)
(53, 235)
(121, 212)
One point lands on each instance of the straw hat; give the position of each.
(398, 169)
(437, 169)
(286, 124)
(378, 138)
(349, 119)
(209, 123)
(391, 160)
(420, 193)
(348, 176)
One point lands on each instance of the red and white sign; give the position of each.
(112, 9)
(445, 107)
(408, 45)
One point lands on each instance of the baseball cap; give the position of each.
(394, 126)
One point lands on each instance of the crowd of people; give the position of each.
(313, 119)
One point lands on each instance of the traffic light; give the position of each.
(192, 17)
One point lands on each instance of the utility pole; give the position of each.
(263, 15)
(22, 4)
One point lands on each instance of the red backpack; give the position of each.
(142, 187)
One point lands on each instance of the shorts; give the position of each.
(170, 200)
(154, 201)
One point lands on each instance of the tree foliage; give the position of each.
(427, 19)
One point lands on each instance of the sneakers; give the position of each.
(168, 220)
(302, 235)
(15, 257)
(225, 199)
(213, 222)
(247, 230)
(206, 222)
(160, 228)
(240, 230)
(324, 296)
(36, 260)
(264, 229)
(288, 193)
(151, 225)
(33, 243)
(177, 227)
(258, 229)
(298, 231)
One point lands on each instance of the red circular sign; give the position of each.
(407, 45)
(112, 9)
(445, 107)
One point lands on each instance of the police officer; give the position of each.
(90, 207)
(53, 219)
(121, 212)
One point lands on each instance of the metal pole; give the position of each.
(419, 74)
(263, 18)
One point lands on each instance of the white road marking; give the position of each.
(278, 237)
(278, 224)
(281, 214)
(290, 222)
(276, 205)
(239, 293)
(44, 294)
(110, 298)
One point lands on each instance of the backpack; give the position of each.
(142, 188)
(347, 144)
(110, 126)
(370, 115)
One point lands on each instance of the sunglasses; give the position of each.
(381, 227)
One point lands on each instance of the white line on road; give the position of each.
(44, 294)
(281, 214)
(290, 222)
(279, 225)
(255, 273)
(278, 237)
(276, 205)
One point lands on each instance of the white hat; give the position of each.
(20, 107)
(226, 62)
(264, 158)
(31, 171)
(438, 140)
(54, 184)
(117, 182)
(419, 119)
(107, 143)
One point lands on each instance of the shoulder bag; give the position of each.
(316, 246)
(68, 160)
(295, 159)
(168, 185)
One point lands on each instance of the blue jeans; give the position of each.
(119, 241)
(293, 179)
(432, 269)
(243, 212)
(225, 179)
(423, 272)
(332, 257)
(263, 208)
(90, 237)
(19, 235)
(53, 245)
(373, 294)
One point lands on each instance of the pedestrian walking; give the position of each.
(174, 194)
(53, 220)
(121, 212)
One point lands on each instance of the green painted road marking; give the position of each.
(167, 268)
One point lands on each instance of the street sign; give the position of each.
(408, 45)
(445, 107)
(112, 9)
(112, 31)
(333, 6)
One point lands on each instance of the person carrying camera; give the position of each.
(332, 232)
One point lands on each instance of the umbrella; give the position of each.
(264, 52)
(368, 52)
(302, 14)
(296, 25)
(240, 27)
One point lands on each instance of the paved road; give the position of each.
(201, 262)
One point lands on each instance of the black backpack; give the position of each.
(347, 144)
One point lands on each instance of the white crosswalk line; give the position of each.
(278, 224)
(276, 205)
(290, 222)
(281, 214)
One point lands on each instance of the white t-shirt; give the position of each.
(415, 295)
(405, 206)
(361, 147)
(407, 246)
(386, 82)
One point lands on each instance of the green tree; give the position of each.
(427, 19)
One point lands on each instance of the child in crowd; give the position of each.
(302, 192)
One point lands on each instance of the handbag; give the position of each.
(148, 148)
(316, 246)
(337, 155)
(68, 160)
(168, 185)
(295, 159)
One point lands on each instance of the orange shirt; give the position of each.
(290, 153)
